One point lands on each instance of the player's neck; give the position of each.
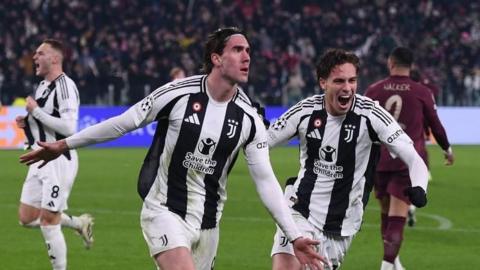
(219, 89)
(53, 74)
(400, 72)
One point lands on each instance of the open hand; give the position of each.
(48, 152)
(306, 254)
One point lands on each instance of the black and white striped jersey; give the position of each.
(194, 147)
(337, 158)
(57, 112)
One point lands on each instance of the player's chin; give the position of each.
(243, 78)
(39, 72)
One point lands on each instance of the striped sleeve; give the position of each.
(67, 98)
(285, 127)
(146, 110)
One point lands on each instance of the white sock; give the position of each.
(398, 264)
(70, 221)
(33, 224)
(56, 246)
(387, 266)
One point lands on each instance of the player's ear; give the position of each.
(390, 63)
(56, 58)
(216, 59)
(323, 83)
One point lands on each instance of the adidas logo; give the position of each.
(51, 204)
(314, 134)
(193, 119)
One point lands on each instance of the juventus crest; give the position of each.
(349, 129)
(232, 128)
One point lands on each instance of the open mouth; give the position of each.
(343, 100)
(244, 70)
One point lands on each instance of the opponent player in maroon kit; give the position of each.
(412, 105)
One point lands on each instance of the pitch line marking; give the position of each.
(444, 223)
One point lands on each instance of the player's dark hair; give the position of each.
(402, 57)
(56, 45)
(334, 57)
(216, 43)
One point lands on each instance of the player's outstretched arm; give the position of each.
(306, 254)
(48, 152)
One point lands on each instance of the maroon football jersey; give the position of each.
(413, 106)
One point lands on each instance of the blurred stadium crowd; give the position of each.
(118, 50)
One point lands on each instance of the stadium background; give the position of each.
(120, 50)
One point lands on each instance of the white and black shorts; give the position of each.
(50, 186)
(332, 247)
(164, 230)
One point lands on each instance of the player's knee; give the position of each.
(49, 218)
(59, 264)
(22, 222)
(28, 222)
(47, 221)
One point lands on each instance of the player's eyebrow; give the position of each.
(241, 47)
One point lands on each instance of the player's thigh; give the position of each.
(31, 190)
(381, 180)
(27, 213)
(398, 207)
(48, 187)
(49, 218)
(282, 245)
(164, 231)
(285, 261)
(66, 171)
(399, 181)
(57, 185)
(205, 250)
(177, 258)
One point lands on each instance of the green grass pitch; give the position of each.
(447, 235)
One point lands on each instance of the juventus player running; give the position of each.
(413, 106)
(52, 115)
(338, 133)
(203, 121)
